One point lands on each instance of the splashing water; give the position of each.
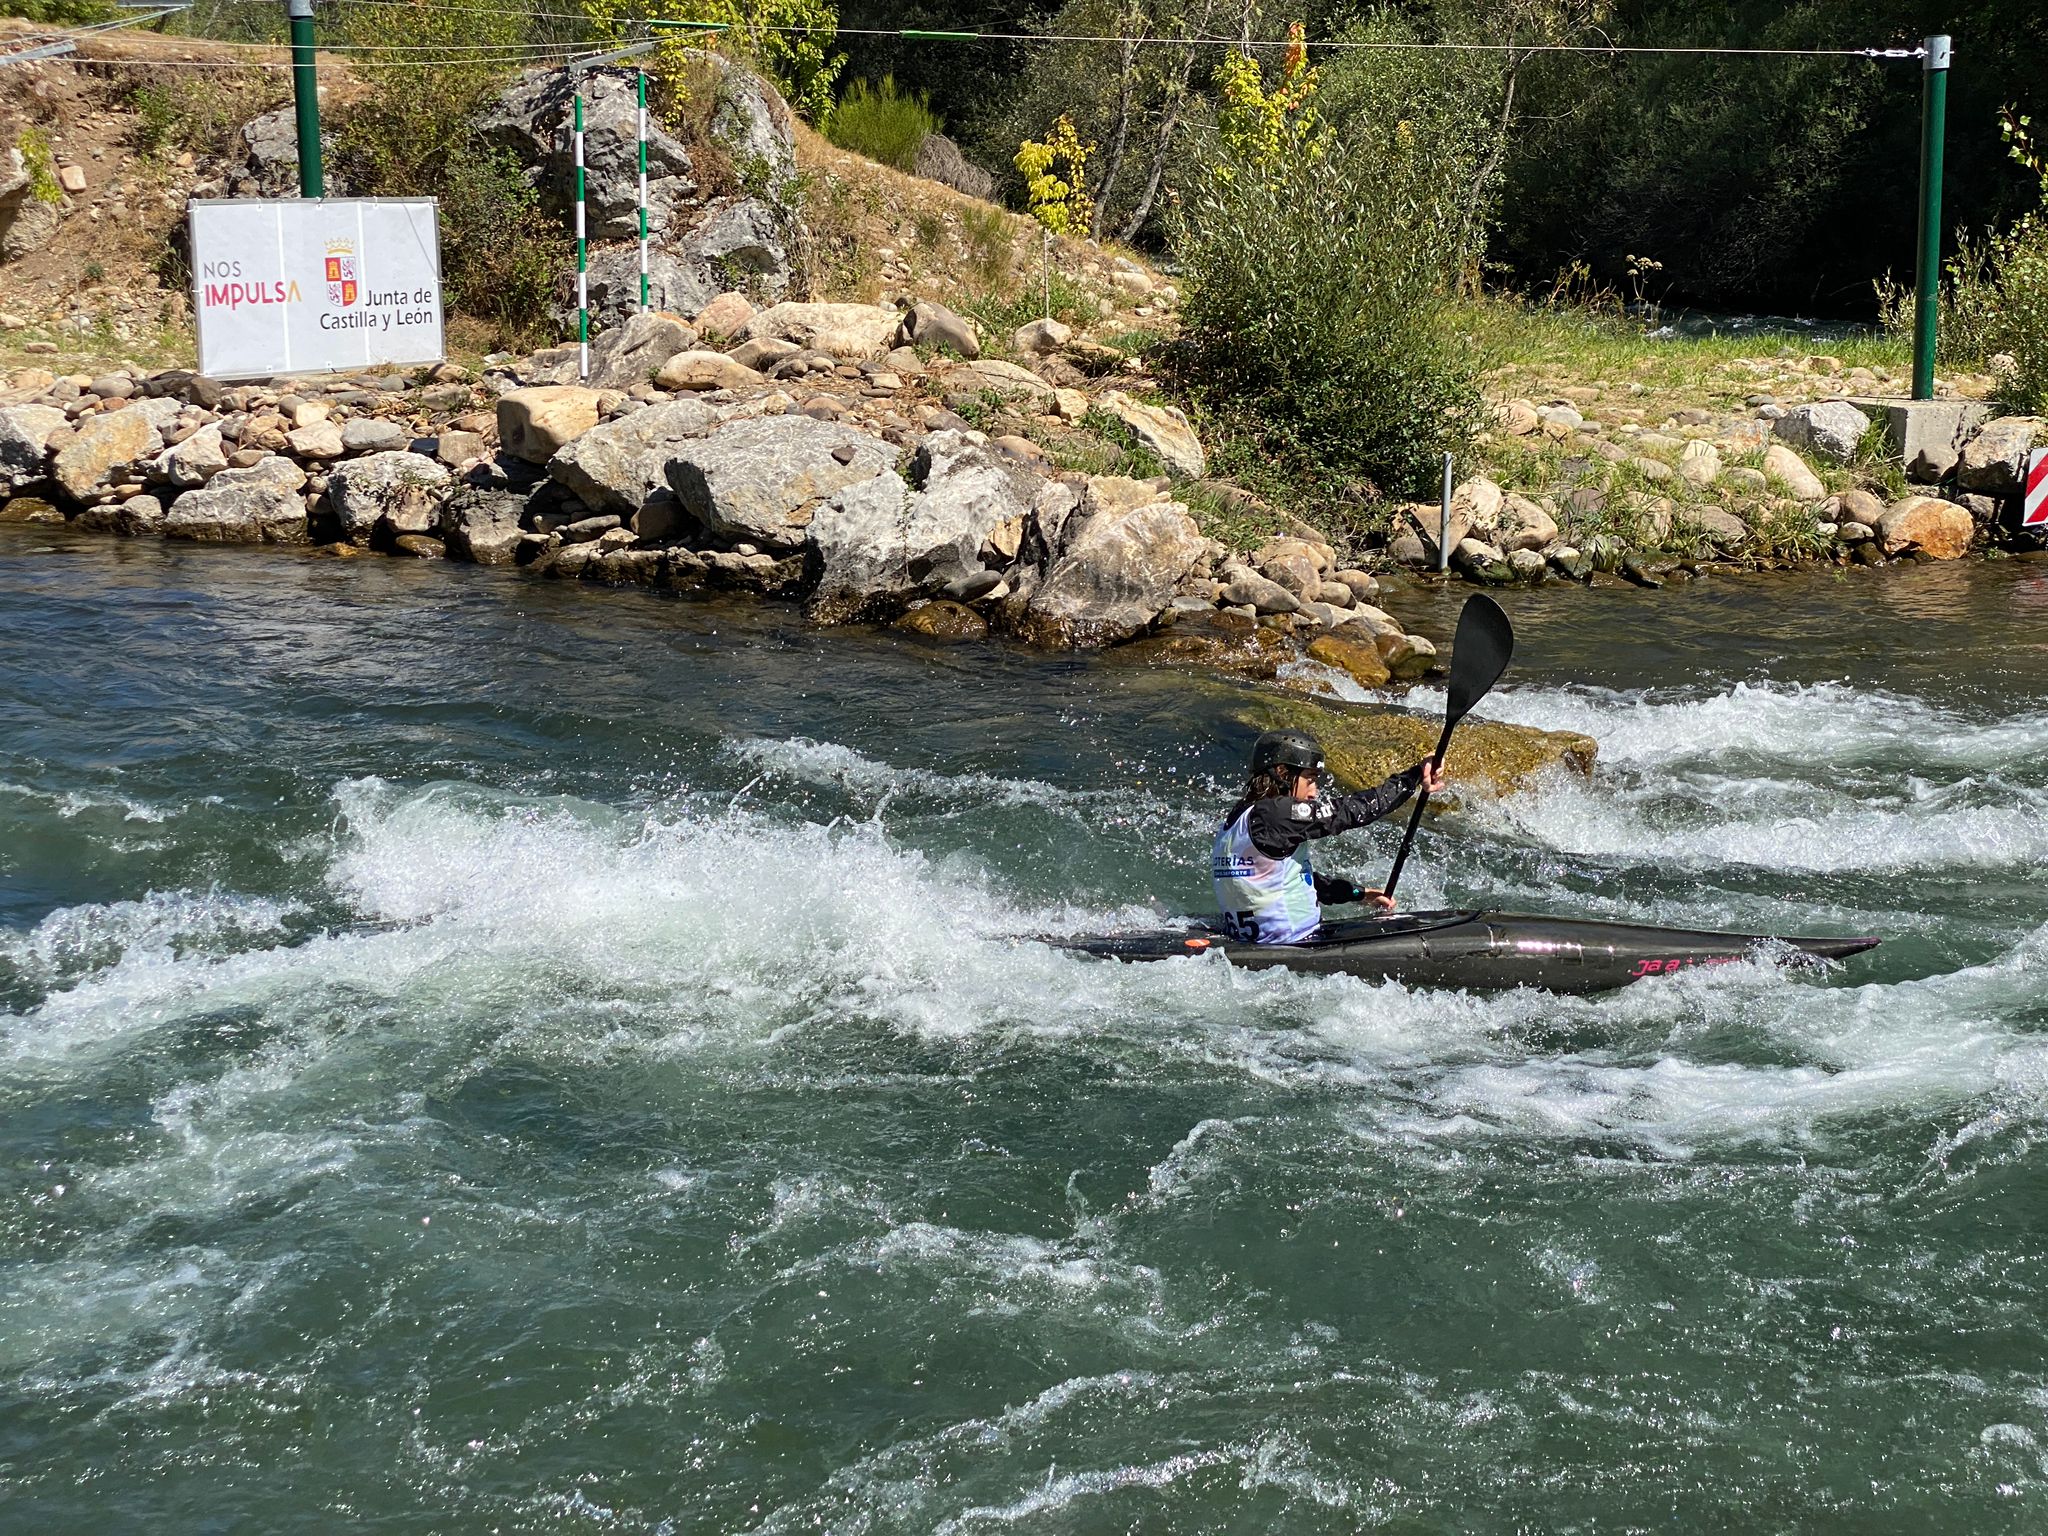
(621, 1091)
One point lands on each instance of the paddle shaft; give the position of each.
(1443, 743)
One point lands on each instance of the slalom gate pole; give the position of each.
(1927, 287)
(582, 258)
(1443, 529)
(643, 189)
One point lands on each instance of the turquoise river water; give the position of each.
(484, 1055)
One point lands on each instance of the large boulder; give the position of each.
(1163, 430)
(760, 480)
(1830, 429)
(855, 332)
(535, 424)
(533, 118)
(402, 491)
(258, 504)
(1116, 575)
(622, 465)
(482, 525)
(1938, 529)
(103, 446)
(25, 443)
(880, 544)
(1523, 524)
(1993, 461)
(1365, 744)
(633, 351)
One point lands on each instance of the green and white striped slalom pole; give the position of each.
(582, 258)
(643, 189)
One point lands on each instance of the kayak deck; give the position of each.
(1479, 950)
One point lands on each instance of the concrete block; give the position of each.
(1928, 435)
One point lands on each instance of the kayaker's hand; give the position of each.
(1379, 901)
(1432, 775)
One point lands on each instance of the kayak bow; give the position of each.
(1481, 951)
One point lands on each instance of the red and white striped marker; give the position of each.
(2034, 509)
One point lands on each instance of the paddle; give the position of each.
(1479, 655)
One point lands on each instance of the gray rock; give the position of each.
(259, 504)
(533, 119)
(137, 516)
(761, 479)
(1722, 529)
(482, 525)
(1118, 574)
(403, 491)
(745, 240)
(1406, 548)
(1244, 587)
(271, 155)
(1992, 461)
(879, 544)
(24, 444)
(939, 159)
(1527, 565)
(928, 324)
(194, 461)
(1831, 429)
(1928, 435)
(1481, 562)
(373, 434)
(763, 353)
(633, 351)
(620, 466)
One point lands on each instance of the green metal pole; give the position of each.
(643, 189)
(582, 258)
(306, 98)
(1927, 289)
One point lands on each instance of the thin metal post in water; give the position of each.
(643, 189)
(582, 258)
(1927, 287)
(1443, 532)
(306, 98)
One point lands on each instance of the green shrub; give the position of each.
(200, 110)
(881, 122)
(1314, 323)
(500, 254)
(37, 156)
(58, 13)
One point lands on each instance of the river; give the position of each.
(484, 1055)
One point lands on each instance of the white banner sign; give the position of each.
(300, 285)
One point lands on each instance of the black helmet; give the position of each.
(1287, 749)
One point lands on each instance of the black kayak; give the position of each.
(1481, 951)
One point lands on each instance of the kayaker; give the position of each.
(1265, 888)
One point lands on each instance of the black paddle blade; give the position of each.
(1480, 653)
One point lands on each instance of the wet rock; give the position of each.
(135, 517)
(257, 505)
(402, 491)
(1117, 574)
(1246, 588)
(761, 479)
(1365, 744)
(419, 546)
(1359, 658)
(942, 619)
(1482, 563)
(482, 525)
